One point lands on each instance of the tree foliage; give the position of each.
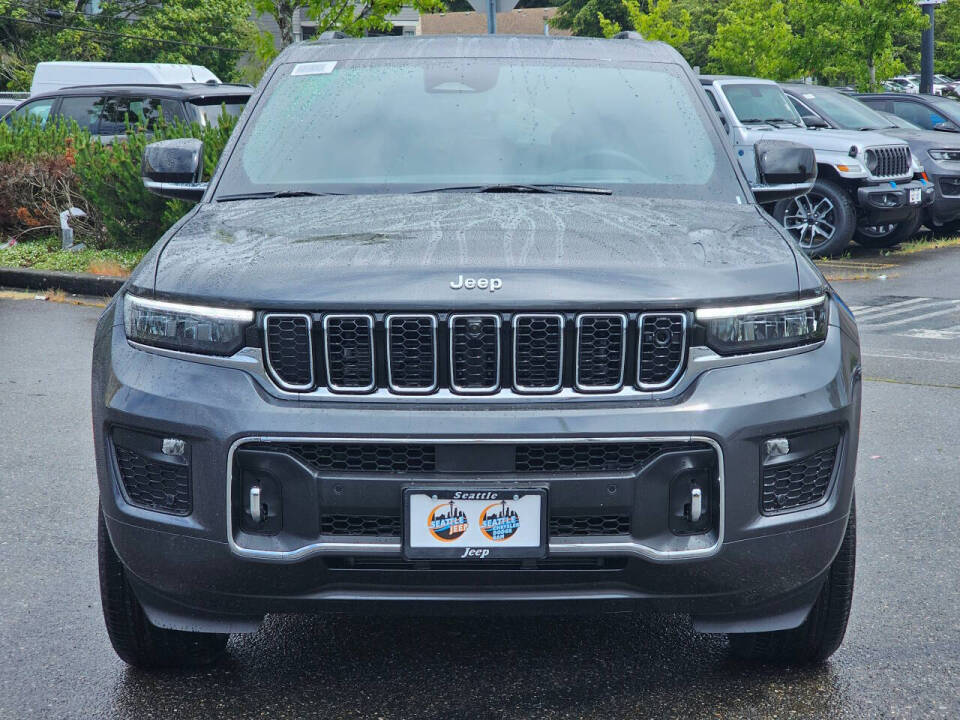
(753, 38)
(347, 16)
(662, 21)
(214, 33)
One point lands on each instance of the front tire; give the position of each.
(884, 236)
(134, 638)
(822, 632)
(822, 221)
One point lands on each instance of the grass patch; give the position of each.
(45, 254)
(922, 243)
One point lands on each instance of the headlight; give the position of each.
(947, 155)
(756, 328)
(871, 161)
(188, 328)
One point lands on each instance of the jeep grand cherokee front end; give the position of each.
(543, 370)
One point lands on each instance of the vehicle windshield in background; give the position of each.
(844, 111)
(756, 104)
(211, 109)
(460, 123)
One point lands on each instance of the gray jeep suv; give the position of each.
(472, 325)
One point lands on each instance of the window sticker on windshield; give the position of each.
(314, 68)
(809, 96)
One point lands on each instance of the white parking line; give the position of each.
(913, 356)
(902, 303)
(901, 311)
(950, 333)
(953, 309)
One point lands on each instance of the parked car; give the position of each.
(939, 153)
(9, 100)
(52, 76)
(864, 179)
(567, 365)
(906, 84)
(928, 111)
(107, 110)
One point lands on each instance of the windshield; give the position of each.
(463, 123)
(210, 110)
(756, 104)
(843, 111)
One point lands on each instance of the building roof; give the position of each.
(516, 22)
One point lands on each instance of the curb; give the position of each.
(74, 283)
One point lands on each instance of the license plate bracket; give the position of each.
(474, 523)
(916, 196)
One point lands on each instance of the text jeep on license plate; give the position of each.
(474, 523)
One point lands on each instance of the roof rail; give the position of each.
(333, 35)
(628, 35)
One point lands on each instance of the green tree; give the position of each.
(662, 21)
(582, 17)
(753, 38)
(704, 15)
(215, 33)
(852, 39)
(947, 32)
(347, 16)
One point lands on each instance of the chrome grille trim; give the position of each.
(623, 353)
(266, 347)
(450, 341)
(561, 322)
(411, 390)
(326, 353)
(684, 332)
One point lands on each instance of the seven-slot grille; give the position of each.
(892, 161)
(483, 353)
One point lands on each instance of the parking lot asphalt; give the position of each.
(901, 657)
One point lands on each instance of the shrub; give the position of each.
(110, 179)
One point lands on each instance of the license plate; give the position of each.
(474, 523)
(916, 195)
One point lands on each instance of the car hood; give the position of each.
(828, 139)
(404, 251)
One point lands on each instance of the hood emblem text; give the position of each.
(491, 284)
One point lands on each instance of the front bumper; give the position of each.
(749, 571)
(890, 202)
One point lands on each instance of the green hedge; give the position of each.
(45, 169)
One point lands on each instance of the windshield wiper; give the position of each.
(770, 121)
(514, 188)
(273, 194)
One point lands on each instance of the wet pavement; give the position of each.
(901, 657)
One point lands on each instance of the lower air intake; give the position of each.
(796, 484)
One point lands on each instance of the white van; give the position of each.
(51, 76)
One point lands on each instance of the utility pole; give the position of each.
(926, 46)
(492, 17)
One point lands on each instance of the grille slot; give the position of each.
(412, 353)
(475, 353)
(601, 342)
(803, 482)
(360, 525)
(538, 353)
(389, 458)
(160, 486)
(892, 161)
(592, 525)
(592, 457)
(349, 352)
(663, 344)
(289, 350)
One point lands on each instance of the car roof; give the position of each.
(896, 96)
(479, 46)
(740, 79)
(184, 91)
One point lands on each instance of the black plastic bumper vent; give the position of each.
(148, 483)
(803, 482)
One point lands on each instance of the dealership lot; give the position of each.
(901, 657)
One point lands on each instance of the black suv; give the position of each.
(107, 110)
(464, 324)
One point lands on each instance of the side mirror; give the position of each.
(784, 170)
(946, 126)
(815, 121)
(173, 169)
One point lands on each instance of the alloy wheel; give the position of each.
(811, 219)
